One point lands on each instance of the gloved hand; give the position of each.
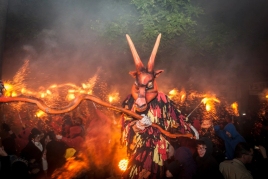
(59, 137)
(144, 122)
(6, 127)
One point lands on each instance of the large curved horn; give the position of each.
(151, 60)
(136, 57)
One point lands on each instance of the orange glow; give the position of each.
(208, 107)
(70, 96)
(205, 100)
(114, 97)
(173, 92)
(43, 95)
(39, 113)
(49, 92)
(8, 87)
(13, 94)
(123, 164)
(266, 96)
(235, 108)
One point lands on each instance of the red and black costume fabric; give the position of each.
(148, 149)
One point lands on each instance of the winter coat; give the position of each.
(207, 166)
(185, 157)
(230, 143)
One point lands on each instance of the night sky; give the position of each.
(61, 48)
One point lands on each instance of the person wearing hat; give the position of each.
(33, 152)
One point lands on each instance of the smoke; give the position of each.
(64, 48)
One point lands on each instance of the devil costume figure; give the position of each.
(146, 146)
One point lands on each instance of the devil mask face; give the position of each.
(144, 88)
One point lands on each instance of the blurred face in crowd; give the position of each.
(47, 139)
(37, 138)
(206, 124)
(248, 156)
(201, 150)
(228, 134)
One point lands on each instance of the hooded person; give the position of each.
(184, 156)
(173, 169)
(207, 165)
(231, 138)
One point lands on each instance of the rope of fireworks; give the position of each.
(75, 102)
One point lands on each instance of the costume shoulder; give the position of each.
(128, 102)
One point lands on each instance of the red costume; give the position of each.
(147, 147)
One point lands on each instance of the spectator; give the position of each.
(231, 138)
(55, 152)
(33, 153)
(187, 164)
(207, 165)
(173, 169)
(236, 169)
(260, 163)
(12, 166)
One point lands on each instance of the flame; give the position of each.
(266, 96)
(208, 107)
(49, 92)
(39, 113)
(114, 97)
(173, 92)
(206, 99)
(177, 96)
(234, 106)
(123, 164)
(70, 96)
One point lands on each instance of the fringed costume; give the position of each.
(149, 149)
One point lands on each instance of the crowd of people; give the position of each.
(37, 152)
(223, 150)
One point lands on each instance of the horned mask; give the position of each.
(144, 89)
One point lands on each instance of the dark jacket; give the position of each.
(55, 155)
(187, 164)
(207, 166)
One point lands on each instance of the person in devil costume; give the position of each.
(147, 148)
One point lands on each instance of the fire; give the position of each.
(266, 96)
(177, 96)
(205, 100)
(114, 97)
(70, 96)
(208, 107)
(173, 92)
(39, 113)
(235, 108)
(123, 164)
